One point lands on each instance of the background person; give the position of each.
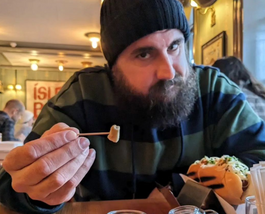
(8, 117)
(24, 126)
(252, 88)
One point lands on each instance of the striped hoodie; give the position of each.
(222, 122)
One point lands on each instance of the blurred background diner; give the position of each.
(24, 126)
(252, 88)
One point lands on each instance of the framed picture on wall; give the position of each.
(213, 49)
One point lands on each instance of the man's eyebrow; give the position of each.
(150, 48)
(141, 50)
(178, 40)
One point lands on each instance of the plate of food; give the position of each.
(226, 175)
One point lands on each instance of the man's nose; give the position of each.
(165, 68)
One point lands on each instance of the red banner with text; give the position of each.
(39, 92)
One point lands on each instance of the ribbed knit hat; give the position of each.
(125, 21)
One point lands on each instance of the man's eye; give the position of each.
(143, 55)
(173, 47)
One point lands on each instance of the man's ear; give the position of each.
(14, 111)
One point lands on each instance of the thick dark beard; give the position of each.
(163, 107)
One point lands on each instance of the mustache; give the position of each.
(164, 85)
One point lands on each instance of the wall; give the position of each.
(7, 76)
(204, 32)
(254, 37)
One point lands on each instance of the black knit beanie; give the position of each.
(125, 21)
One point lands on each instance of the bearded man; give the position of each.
(170, 114)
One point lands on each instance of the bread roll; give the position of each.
(226, 176)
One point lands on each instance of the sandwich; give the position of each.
(226, 175)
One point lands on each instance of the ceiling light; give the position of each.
(34, 64)
(86, 55)
(34, 67)
(60, 67)
(61, 54)
(18, 87)
(94, 38)
(10, 87)
(193, 3)
(94, 42)
(86, 64)
(34, 53)
(61, 64)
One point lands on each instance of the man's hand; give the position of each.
(49, 169)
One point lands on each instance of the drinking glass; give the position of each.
(189, 209)
(251, 207)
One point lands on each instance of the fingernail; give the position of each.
(75, 130)
(84, 143)
(71, 135)
(92, 153)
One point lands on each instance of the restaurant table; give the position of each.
(149, 206)
(156, 203)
